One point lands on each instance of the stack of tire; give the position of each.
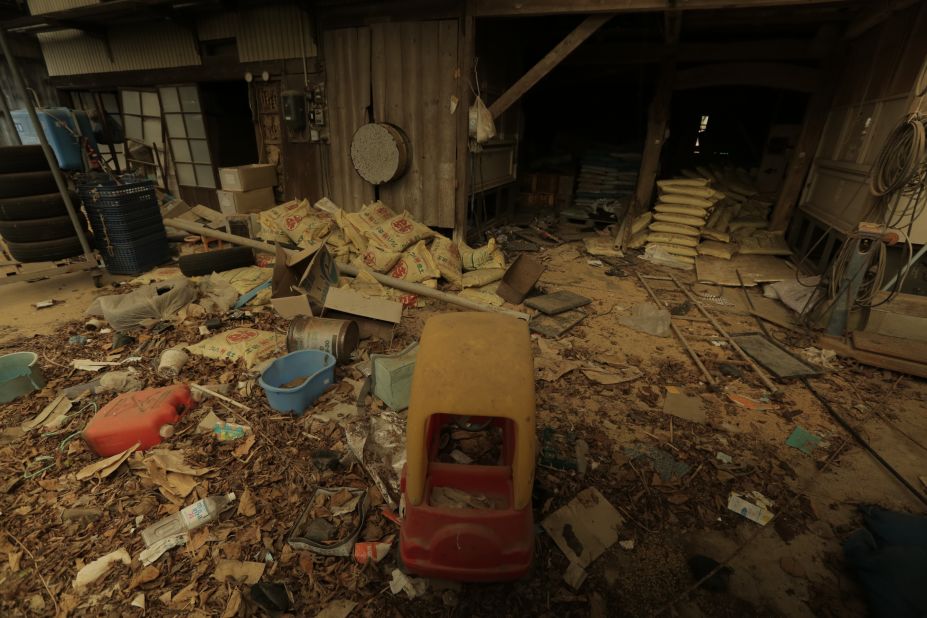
(33, 220)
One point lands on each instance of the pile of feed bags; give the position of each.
(380, 240)
(683, 208)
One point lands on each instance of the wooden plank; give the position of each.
(503, 8)
(657, 120)
(891, 346)
(773, 357)
(466, 50)
(763, 74)
(573, 40)
(843, 348)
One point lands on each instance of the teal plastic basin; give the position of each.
(316, 366)
(19, 375)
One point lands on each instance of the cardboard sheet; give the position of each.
(753, 268)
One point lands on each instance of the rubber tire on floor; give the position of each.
(26, 183)
(22, 159)
(45, 250)
(34, 230)
(32, 207)
(197, 264)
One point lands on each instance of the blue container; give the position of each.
(20, 374)
(61, 126)
(316, 366)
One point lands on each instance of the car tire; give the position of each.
(198, 264)
(34, 230)
(26, 183)
(15, 159)
(46, 250)
(32, 207)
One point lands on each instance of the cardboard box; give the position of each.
(248, 226)
(248, 177)
(244, 202)
(305, 283)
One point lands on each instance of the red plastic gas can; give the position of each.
(136, 417)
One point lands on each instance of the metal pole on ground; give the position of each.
(20, 85)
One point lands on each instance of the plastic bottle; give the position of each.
(197, 514)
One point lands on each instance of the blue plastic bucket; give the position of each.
(19, 375)
(316, 366)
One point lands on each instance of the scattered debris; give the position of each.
(747, 402)
(412, 586)
(554, 326)
(332, 521)
(93, 571)
(584, 528)
(648, 318)
(701, 565)
(240, 571)
(803, 440)
(681, 405)
(557, 302)
(756, 511)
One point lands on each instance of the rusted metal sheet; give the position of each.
(414, 73)
(274, 33)
(347, 66)
(155, 46)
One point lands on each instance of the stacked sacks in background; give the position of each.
(737, 225)
(378, 239)
(682, 211)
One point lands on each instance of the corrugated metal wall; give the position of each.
(274, 32)
(68, 52)
(217, 26)
(410, 68)
(265, 33)
(347, 65)
(413, 69)
(38, 7)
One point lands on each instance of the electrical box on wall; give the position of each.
(294, 110)
(315, 95)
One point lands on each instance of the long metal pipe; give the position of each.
(351, 271)
(46, 149)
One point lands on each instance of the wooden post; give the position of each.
(657, 119)
(563, 49)
(466, 50)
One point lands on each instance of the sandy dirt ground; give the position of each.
(791, 567)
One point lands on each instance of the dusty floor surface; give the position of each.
(791, 567)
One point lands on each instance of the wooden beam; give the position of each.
(657, 121)
(210, 71)
(573, 40)
(813, 126)
(763, 74)
(609, 54)
(522, 8)
(874, 14)
(466, 50)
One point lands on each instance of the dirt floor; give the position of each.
(662, 473)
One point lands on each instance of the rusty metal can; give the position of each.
(337, 337)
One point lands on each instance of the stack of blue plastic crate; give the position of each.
(127, 226)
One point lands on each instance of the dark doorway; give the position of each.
(229, 123)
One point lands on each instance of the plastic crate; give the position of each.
(136, 257)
